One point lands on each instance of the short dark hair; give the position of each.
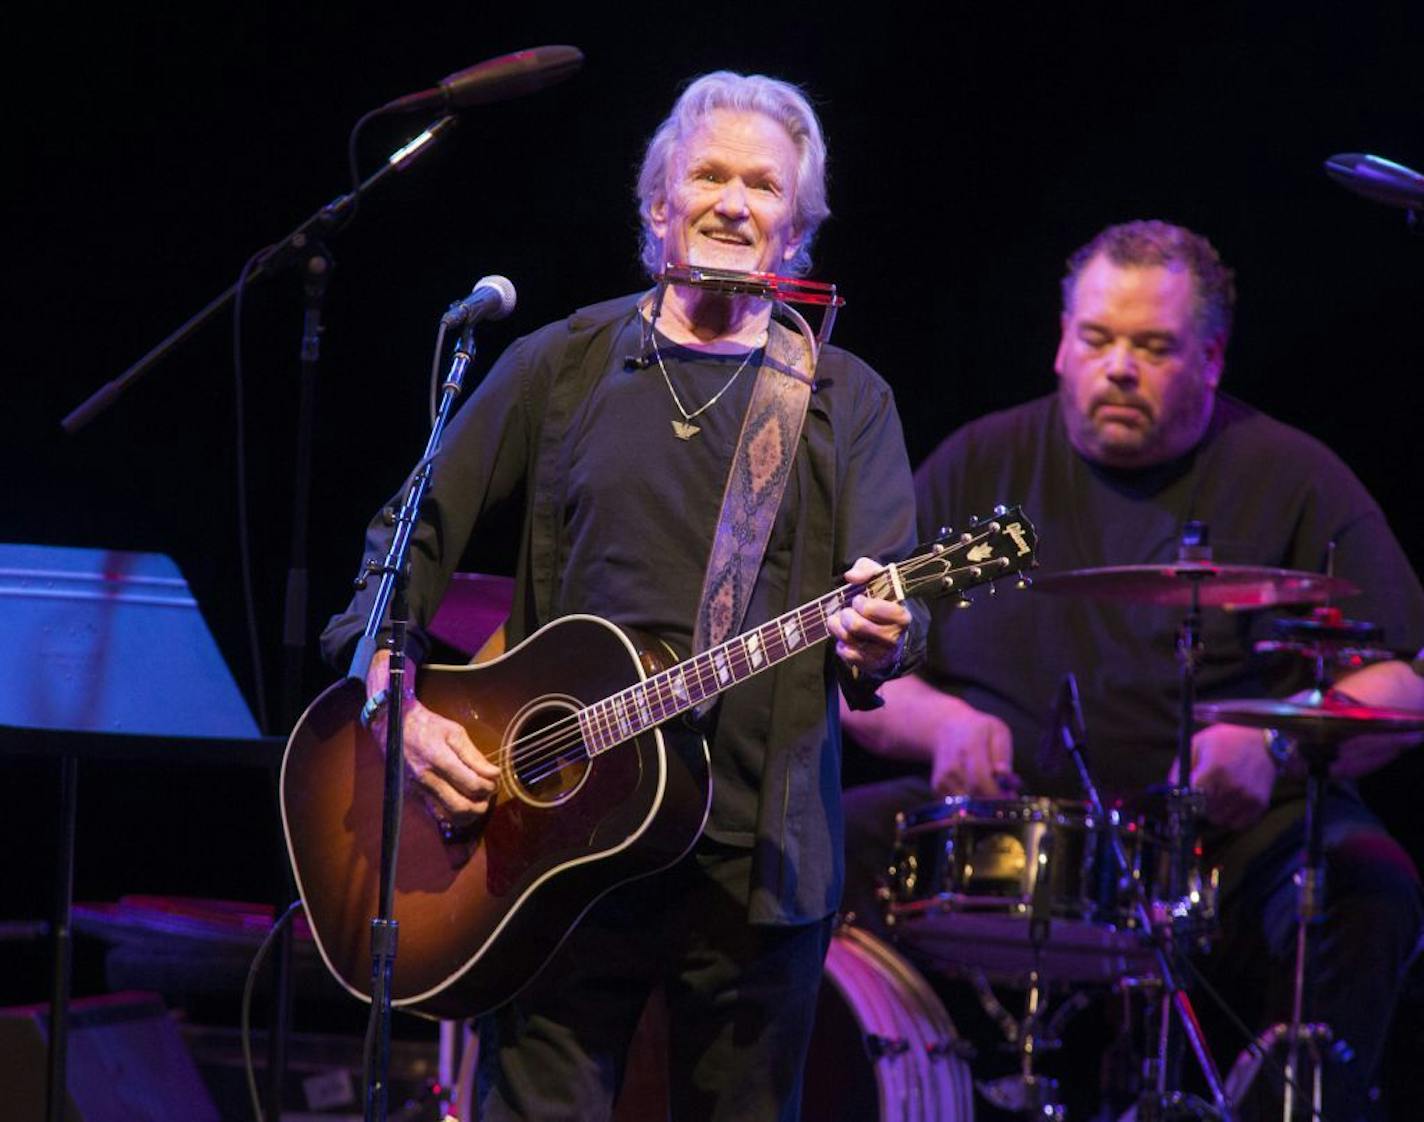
(1152, 242)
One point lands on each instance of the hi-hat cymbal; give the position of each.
(1321, 722)
(1233, 587)
(1327, 636)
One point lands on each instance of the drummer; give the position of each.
(1136, 443)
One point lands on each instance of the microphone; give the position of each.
(495, 79)
(492, 298)
(1067, 732)
(1377, 179)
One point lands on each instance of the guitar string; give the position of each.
(535, 767)
(545, 749)
(550, 744)
(544, 756)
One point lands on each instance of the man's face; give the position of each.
(730, 197)
(1135, 376)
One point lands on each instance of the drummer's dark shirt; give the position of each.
(1271, 496)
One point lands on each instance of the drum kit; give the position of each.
(1048, 895)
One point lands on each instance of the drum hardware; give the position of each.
(1328, 640)
(1159, 1095)
(1026, 1091)
(1318, 725)
(1034, 1095)
(1319, 1043)
(1193, 582)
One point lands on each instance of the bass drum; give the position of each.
(883, 1046)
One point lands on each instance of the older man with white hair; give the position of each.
(620, 428)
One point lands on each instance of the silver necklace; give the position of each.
(684, 428)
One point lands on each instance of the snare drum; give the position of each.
(968, 874)
(1142, 826)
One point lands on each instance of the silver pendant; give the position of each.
(684, 430)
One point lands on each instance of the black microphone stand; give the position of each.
(305, 248)
(391, 593)
(316, 277)
(295, 247)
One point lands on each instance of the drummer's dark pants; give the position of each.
(741, 1001)
(1373, 920)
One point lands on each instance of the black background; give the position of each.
(972, 148)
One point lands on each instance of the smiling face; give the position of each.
(1137, 376)
(730, 197)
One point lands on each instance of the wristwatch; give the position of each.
(1279, 747)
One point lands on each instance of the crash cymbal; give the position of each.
(1233, 587)
(1323, 721)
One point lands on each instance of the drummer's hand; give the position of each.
(1231, 767)
(973, 755)
(869, 632)
(453, 777)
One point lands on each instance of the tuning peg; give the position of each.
(1023, 582)
(1000, 511)
(963, 602)
(993, 589)
(973, 521)
(945, 531)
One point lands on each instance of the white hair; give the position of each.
(722, 89)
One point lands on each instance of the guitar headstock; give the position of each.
(981, 553)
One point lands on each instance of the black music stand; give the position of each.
(113, 661)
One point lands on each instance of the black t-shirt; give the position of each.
(1271, 495)
(642, 500)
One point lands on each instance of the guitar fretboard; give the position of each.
(625, 715)
(934, 570)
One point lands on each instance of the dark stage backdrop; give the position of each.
(973, 146)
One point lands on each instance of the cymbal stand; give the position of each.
(1310, 912)
(1324, 638)
(1160, 1077)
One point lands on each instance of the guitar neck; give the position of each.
(674, 691)
(948, 564)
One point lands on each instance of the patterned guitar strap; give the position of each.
(761, 465)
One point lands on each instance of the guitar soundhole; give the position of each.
(545, 757)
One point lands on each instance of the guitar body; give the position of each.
(479, 914)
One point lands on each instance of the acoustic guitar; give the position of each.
(599, 784)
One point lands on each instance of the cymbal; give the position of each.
(1233, 587)
(1325, 626)
(1321, 722)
